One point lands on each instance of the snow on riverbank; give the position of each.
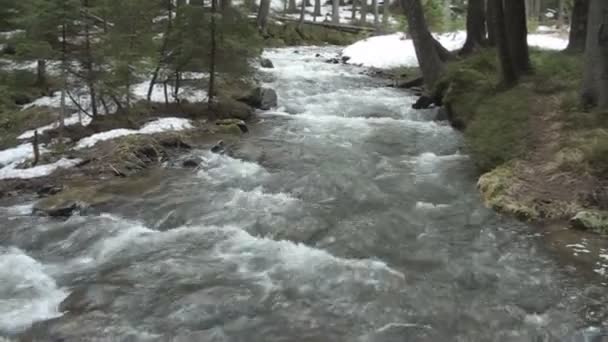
(156, 126)
(395, 50)
(9, 172)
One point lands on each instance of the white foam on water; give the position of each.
(27, 293)
(219, 168)
(19, 210)
(259, 200)
(430, 206)
(122, 233)
(536, 319)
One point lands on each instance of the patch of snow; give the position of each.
(156, 126)
(9, 172)
(190, 94)
(53, 101)
(396, 50)
(10, 34)
(18, 154)
(69, 121)
(547, 42)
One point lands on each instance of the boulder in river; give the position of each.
(192, 163)
(592, 220)
(66, 202)
(219, 147)
(266, 63)
(232, 126)
(261, 98)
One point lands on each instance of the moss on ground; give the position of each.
(540, 151)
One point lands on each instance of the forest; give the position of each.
(303, 170)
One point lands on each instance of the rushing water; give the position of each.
(344, 216)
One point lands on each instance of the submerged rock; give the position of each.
(592, 220)
(66, 202)
(219, 147)
(266, 63)
(261, 98)
(191, 163)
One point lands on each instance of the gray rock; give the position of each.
(266, 63)
(191, 162)
(593, 220)
(261, 98)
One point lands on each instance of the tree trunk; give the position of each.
(517, 35)
(317, 10)
(363, 11)
(537, 9)
(302, 12)
(226, 5)
(263, 11)
(509, 76)
(41, 80)
(476, 26)
(36, 149)
(353, 11)
(90, 76)
(292, 7)
(335, 11)
(162, 52)
(595, 84)
(385, 13)
(212, 53)
(578, 26)
(375, 8)
(561, 13)
(490, 22)
(425, 45)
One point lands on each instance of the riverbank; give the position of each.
(543, 158)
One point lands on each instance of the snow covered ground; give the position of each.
(10, 172)
(156, 126)
(396, 50)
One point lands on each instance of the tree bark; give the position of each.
(335, 11)
(578, 26)
(490, 22)
(509, 76)
(425, 45)
(353, 11)
(363, 11)
(317, 9)
(88, 64)
(375, 9)
(385, 13)
(263, 12)
(291, 7)
(36, 149)
(561, 13)
(302, 12)
(41, 80)
(212, 53)
(226, 5)
(595, 84)
(476, 26)
(517, 35)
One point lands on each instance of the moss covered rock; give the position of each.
(592, 220)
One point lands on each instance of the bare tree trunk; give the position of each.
(213, 28)
(509, 76)
(595, 84)
(425, 45)
(476, 26)
(517, 35)
(385, 13)
(263, 12)
(162, 52)
(561, 13)
(335, 11)
(353, 14)
(375, 8)
(226, 5)
(490, 22)
(64, 76)
(363, 11)
(90, 77)
(578, 26)
(317, 10)
(36, 149)
(302, 12)
(41, 80)
(292, 7)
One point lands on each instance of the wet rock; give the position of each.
(49, 190)
(191, 163)
(318, 55)
(261, 98)
(333, 61)
(593, 220)
(219, 147)
(234, 109)
(442, 114)
(266, 63)
(66, 202)
(423, 102)
(345, 59)
(232, 126)
(88, 298)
